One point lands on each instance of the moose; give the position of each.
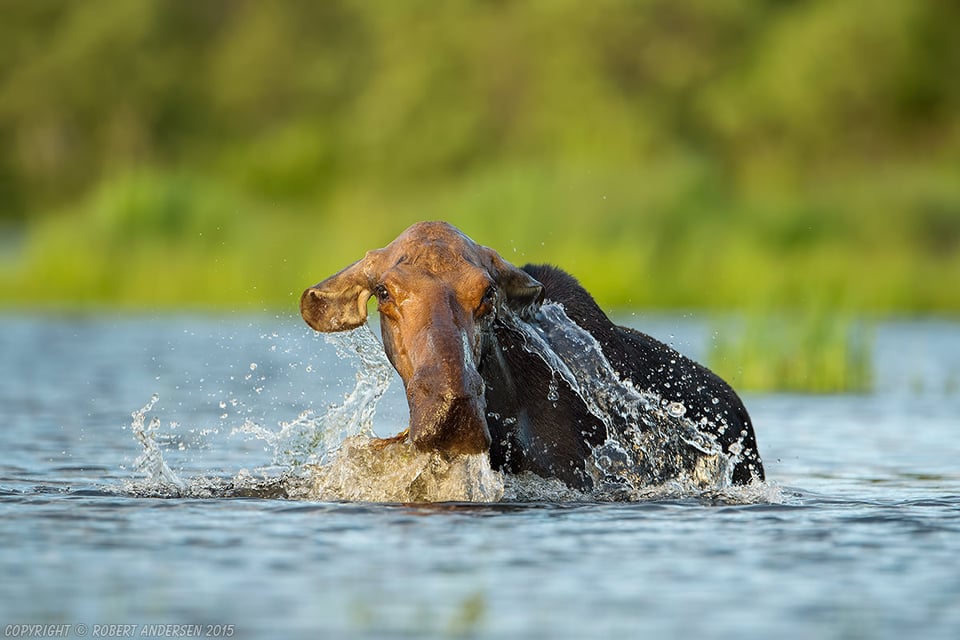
(448, 311)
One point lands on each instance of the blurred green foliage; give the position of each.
(226, 153)
(817, 350)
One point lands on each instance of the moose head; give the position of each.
(437, 291)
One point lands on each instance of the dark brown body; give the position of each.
(531, 433)
(444, 302)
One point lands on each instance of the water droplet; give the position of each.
(676, 409)
(552, 393)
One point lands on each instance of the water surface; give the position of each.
(856, 535)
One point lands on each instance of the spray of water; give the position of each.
(650, 444)
(359, 467)
(652, 450)
(396, 472)
(333, 456)
(311, 439)
(151, 462)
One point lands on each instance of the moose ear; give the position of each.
(339, 303)
(521, 289)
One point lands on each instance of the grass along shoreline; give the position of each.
(813, 351)
(678, 242)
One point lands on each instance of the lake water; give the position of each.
(857, 534)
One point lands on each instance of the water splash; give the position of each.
(529, 487)
(649, 443)
(366, 470)
(151, 462)
(309, 439)
(653, 451)
(333, 456)
(356, 466)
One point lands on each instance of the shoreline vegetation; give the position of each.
(815, 351)
(160, 240)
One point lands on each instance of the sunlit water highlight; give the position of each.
(860, 540)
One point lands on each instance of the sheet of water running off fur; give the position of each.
(336, 456)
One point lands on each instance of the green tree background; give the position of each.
(751, 154)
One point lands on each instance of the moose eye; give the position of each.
(488, 301)
(382, 294)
